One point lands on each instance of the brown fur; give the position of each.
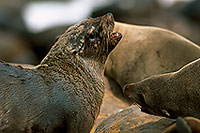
(65, 91)
(133, 120)
(170, 95)
(145, 51)
(113, 102)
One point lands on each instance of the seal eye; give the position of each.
(92, 34)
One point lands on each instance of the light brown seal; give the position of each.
(171, 95)
(65, 91)
(145, 51)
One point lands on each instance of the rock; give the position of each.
(14, 48)
(192, 11)
(23, 65)
(133, 120)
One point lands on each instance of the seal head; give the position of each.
(138, 93)
(92, 38)
(171, 94)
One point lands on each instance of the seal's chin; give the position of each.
(136, 95)
(139, 99)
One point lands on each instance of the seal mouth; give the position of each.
(137, 97)
(139, 100)
(115, 37)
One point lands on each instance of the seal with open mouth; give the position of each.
(65, 91)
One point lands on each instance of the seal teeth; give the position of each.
(165, 112)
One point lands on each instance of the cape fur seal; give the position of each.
(145, 51)
(171, 95)
(64, 92)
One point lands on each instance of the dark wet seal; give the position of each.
(65, 91)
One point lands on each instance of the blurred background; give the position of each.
(28, 28)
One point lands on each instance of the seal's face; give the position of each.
(92, 38)
(150, 94)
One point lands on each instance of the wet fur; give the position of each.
(64, 92)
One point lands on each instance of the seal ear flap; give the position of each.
(182, 126)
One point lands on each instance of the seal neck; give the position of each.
(86, 72)
(59, 61)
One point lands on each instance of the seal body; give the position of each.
(33, 100)
(113, 102)
(64, 92)
(145, 51)
(171, 95)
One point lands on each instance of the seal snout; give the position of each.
(133, 93)
(110, 16)
(129, 90)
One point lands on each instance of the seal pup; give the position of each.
(171, 95)
(65, 91)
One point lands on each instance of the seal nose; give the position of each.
(110, 16)
(124, 90)
(129, 89)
